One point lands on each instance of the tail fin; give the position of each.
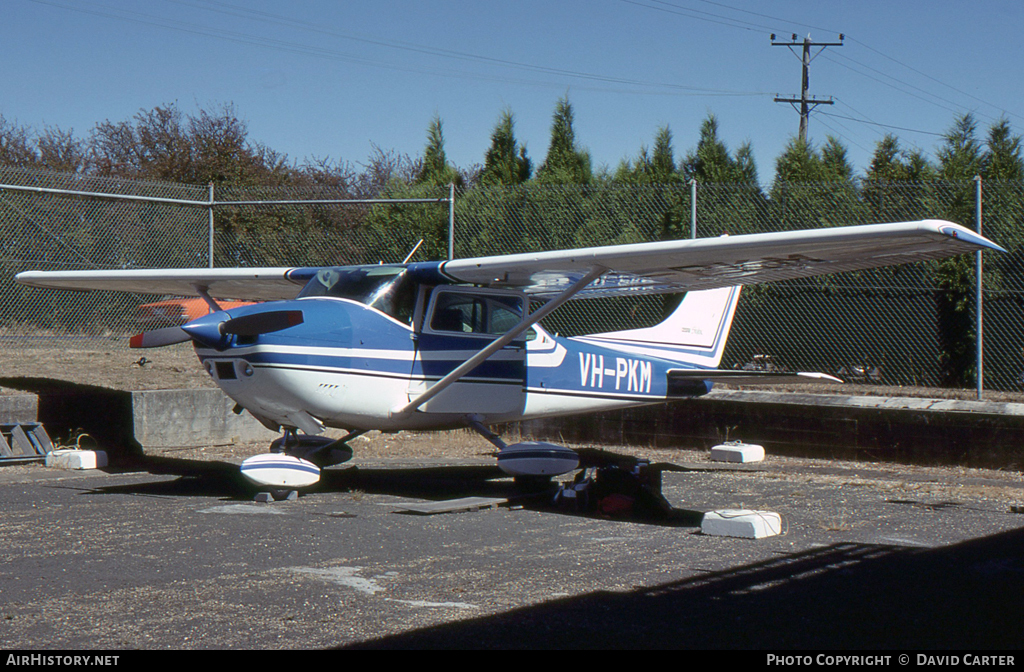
(695, 332)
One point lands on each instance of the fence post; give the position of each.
(693, 207)
(979, 322)
(451, 220)
(211, 224)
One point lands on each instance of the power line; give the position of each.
(956, 106)
(875, 123)
(679, 10)
(305, 48)
(764, 16)
(927, 76)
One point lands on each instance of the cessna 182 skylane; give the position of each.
(435, 345)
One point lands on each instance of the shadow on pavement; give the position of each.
(201, 478)
(844, 596)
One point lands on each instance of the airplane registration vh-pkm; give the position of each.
(436, 345)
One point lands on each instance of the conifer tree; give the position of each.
(566, 163)
(835, 162)
(1002, 159)
(506, 162)
(798, 163)
(435, 169)
(1002, 173)
(961, 158)
(657, 167)
(663, 162)
(712, 162)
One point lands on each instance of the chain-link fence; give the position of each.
(54, 221)
(145, 225)
(908, 325)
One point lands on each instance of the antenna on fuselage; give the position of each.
(409, 256)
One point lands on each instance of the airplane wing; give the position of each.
(706, 263)
(671, 266)
(252, 284)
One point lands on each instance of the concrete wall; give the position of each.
(130, 422)
(910, 430)
(167, 418)
(18, 408)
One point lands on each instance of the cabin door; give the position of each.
(457, 323)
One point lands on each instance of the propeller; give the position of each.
(211, 332)
(158, 338)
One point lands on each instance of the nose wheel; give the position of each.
(294, 462)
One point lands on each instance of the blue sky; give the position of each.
(321, 79)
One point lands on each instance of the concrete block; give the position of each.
(743, 523)
(276, 496)
(76, 459)
(737, 452)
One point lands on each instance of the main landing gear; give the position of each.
(531, 463)
(607, 485)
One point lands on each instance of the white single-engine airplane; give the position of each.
(453, 343)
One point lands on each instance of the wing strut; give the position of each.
(204, 292)
(500, 343)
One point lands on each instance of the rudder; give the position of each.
(695, 332)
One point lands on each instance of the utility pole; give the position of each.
(807, 103)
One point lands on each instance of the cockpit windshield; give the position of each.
(386, 288)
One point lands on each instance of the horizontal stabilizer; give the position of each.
(733, 377)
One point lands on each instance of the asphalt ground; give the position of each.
(174, 554)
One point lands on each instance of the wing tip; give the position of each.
(963, 233)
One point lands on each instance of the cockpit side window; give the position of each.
(472, 313)
(459, 312)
